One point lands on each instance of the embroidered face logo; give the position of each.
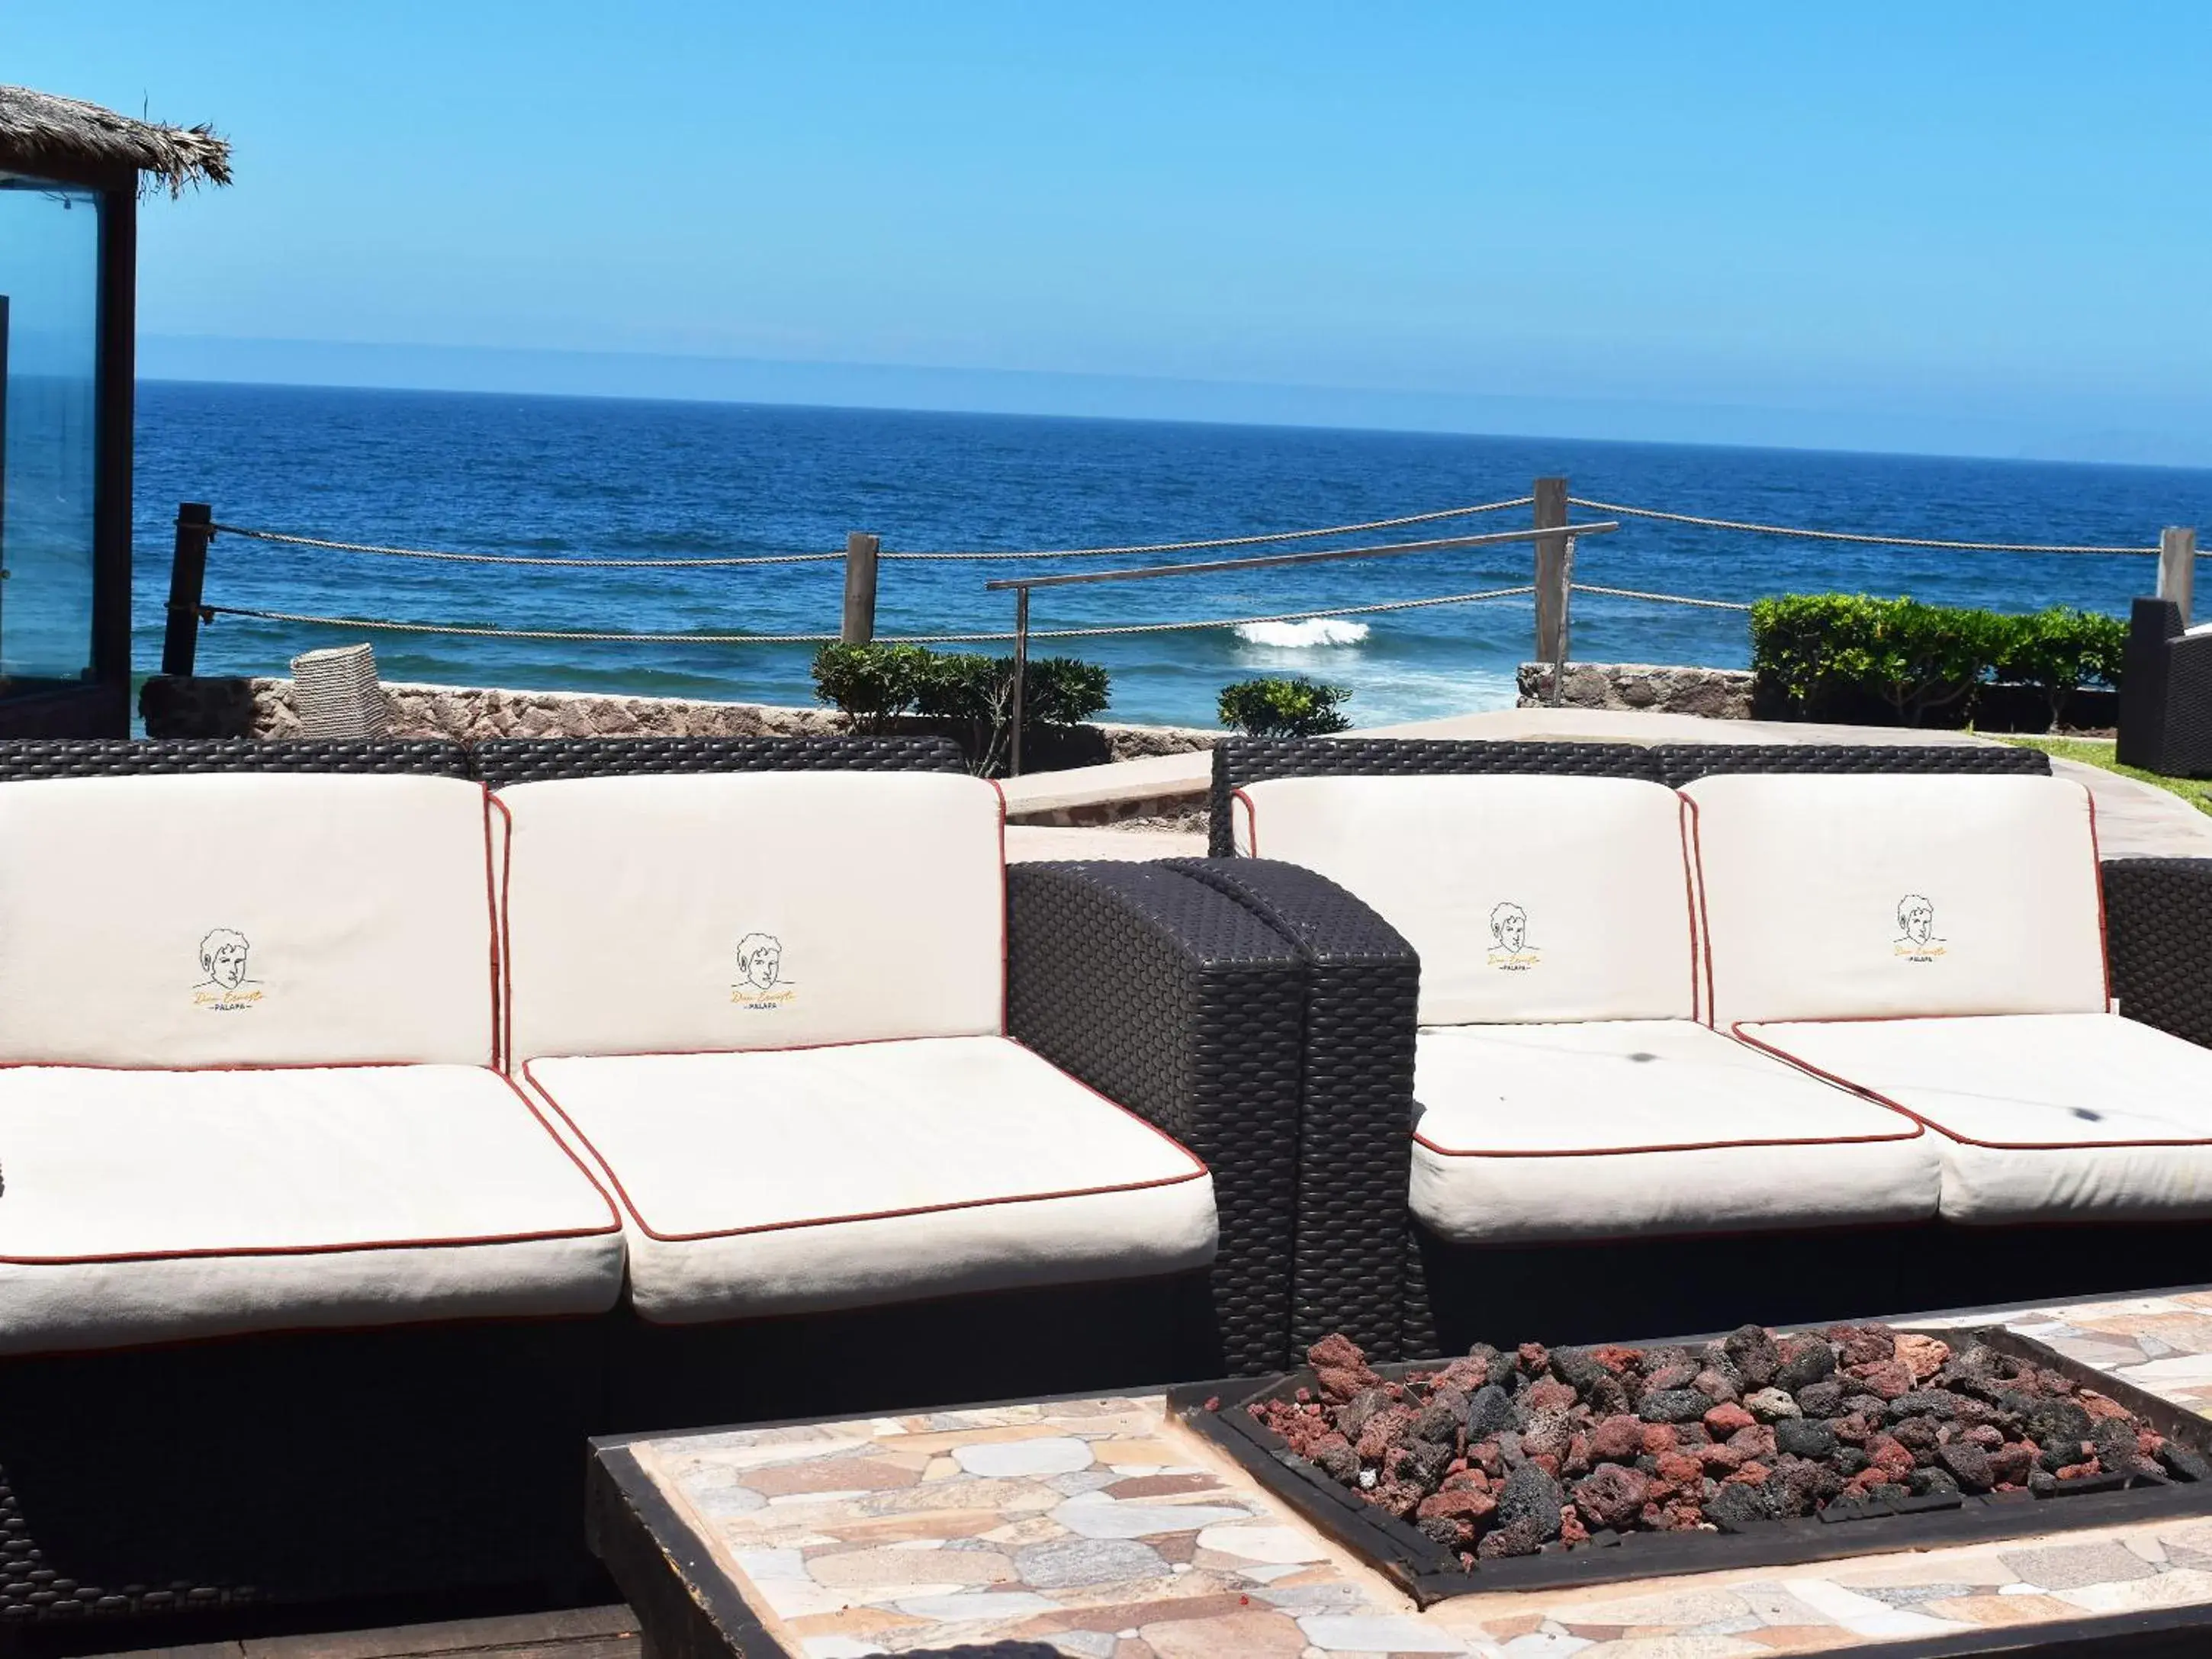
(225, 985)
(761, 982)
(1917, 940)
(1511, 950)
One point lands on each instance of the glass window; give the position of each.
(49, 332)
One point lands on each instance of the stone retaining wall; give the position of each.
(265, 709)
(1715, 693)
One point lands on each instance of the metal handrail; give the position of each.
(1022, 585)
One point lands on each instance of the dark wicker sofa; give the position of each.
(2165, 699)
(1359, 1251)
(297, 1478)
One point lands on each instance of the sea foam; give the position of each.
(1295, 635)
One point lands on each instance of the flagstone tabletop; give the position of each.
(1102, 1529)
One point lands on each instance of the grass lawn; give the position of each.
(2197, 792)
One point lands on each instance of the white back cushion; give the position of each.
(245, 919)
(711, 912)
(1862, 897)
(1529, 898)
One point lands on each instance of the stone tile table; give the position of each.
(1101, 1529)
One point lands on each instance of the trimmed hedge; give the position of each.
(1827, 655)
(876, 685)
(1287, 706)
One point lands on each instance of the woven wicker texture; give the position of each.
(23, 759)
(501, 760)
(1241, 761)
(2157, 940)
(1355, 1115)
(1170, 998)
(2165, 695)
(32, 1590)
(1683, 763)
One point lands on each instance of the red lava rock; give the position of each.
(1580, 1445)
(2012, 1463)
(1884, 1452)
(1727, 1418)
(1924, 1355)
(1720, 1460)
(1859, 1346)
(1887, 1378)
(1464, 1375)
(1757, 1441)
(1462, 1503)
(1613, 1496)
(1401, 1498)
(1547, 1395)
(1616, 1440)
(1337, 1351)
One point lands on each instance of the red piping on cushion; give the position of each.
(1702, 924)
(502, 989)
(1251, 822)
(1917, 1129)
(630, 1204)
(507, 929)
(2103, 927)
(614, 1216)
(1880, 1099)
(1692, 893)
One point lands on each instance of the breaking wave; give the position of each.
(1295, 635)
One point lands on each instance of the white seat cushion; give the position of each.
(1611, 1130)
(773, 1182)
(1864, 897)
(1528, 898)
(675, 914)
(144, 1206)
(245, 919)
(2044, 1117)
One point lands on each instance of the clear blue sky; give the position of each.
(1978, 227)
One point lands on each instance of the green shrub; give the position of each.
(2059, 649)
(1822, 653)
(870, 684)
(874, 684)
(1283, 707)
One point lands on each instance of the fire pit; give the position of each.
(1514, 1470)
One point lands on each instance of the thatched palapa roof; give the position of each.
(38, 127)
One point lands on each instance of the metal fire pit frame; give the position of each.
(1429, 1572)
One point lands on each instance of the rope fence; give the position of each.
(1553, 587)
(469, 631)
(289, 539)
(1800, 533)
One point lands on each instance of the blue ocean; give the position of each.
(595, 478)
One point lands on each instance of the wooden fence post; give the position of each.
(2177, 567)
(861, 550)
(187, 580)
(1550, 580)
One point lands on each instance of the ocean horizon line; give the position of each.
(1043, 394)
